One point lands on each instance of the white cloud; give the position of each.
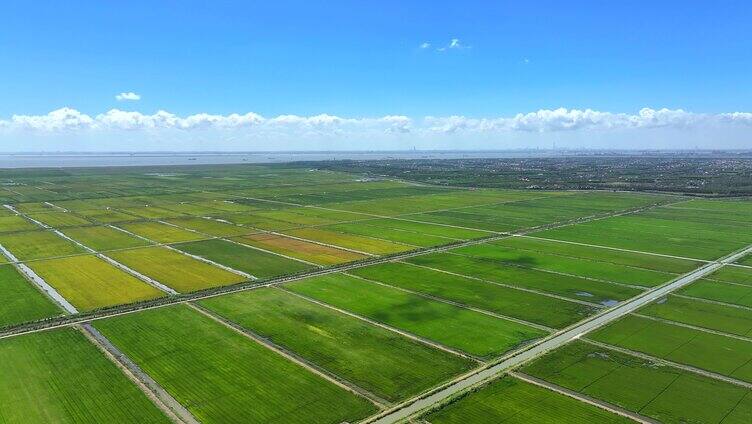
(425, 45)
(455, 44)
(128, 96)
(251, 130)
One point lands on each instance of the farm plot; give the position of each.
(568, 286)
(734, 294)
(174, 269)
(463, 329)
(188, 208)
(252, 220)
(733, 274)
(380, 361)
(15, 223)
(663, 393)
(606, 271)
(721, 354)
(34, 207)
(60, 219)
(91, 283)
(258, 263)
(299, 249)
(390, 234)
(222, 376)
(60, 377)
(101, 238)
(358, 243)
(304, 216)
(502, 300)
(151, 212)
(714, 316)
(21, 301)
(620, 257)
(38, 245)
(510, 400)
(666, 234)
(161, 233)
(210, 227)
(106, 216)
(746, 260)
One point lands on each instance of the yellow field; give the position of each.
(90, 283)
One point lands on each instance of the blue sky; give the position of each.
(364, 59)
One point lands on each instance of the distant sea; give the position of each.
(70, 160)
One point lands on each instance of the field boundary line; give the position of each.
(457, 304)
(240, 243)
(404, 333)
(291, 356)
(415, 406)
(715, 302)
(655, 359)
(598, 246)
(153, 390)
(730, 283)
(507, 285)
(694, 327)
(582, 397)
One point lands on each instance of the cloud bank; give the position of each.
(660, 128)
(127, 96)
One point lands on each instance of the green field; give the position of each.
(60, 377)
(666, 394)
(222, 376)
(252, 261)
(581, 267)
(380, 361)
(719, 292)
(509, 400)
(720, 354)
(60, 219)
(717, 317)
(374, 246)
(210, 227)
(21, 300)
(527, 306)
(38, 245)
(90, 283)
(161, 233)
(106, 216)
(175, 270)
(299, 249)
(15, 223)
(101, 238)
(470, 331)
(493, 270)
(733, 274)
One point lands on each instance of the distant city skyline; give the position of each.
(294, 75)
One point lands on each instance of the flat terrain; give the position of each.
(290, 293)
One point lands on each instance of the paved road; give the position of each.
(408, 410)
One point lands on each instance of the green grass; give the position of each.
(222, 376)
(252, 261)
(463, 329)
(90, 283)
(150, 212)
(723, 318)
(720, 354)
(720, 292)
(588, 268)
(510, 400)
(101, 238)
(161, 233)
(106, 216)
(493, 270)
(390, 234)
(746, 260)
(60, 377)
(38, 245)
(15, 223)
(173, 269)
(370, 245)
(59, 219)
(733, 274)
(527, 306)
(599, 254)
(213, 228)
(663, 393)
(21, 301)
(380, 361)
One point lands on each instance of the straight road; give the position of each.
(414, 406)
